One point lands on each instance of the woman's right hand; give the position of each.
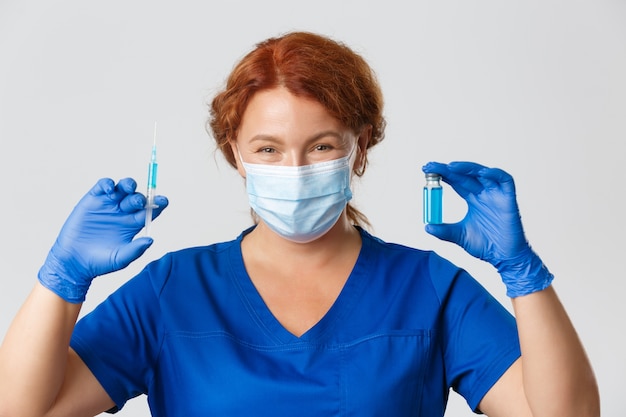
(97, 238)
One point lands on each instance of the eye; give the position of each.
(266, 155)
(322, 148)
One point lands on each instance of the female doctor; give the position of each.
(304, 313)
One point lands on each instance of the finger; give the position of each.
(461, 176)
(162, 202)
(435, 168)
(492, 178)
(133, 203)
(123, 188)
(476, 178)
(103, 186)
(448, 232)
(127, 185)
(133, 250)
(463, 184)
(466, 168)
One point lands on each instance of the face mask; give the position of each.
(300, 203)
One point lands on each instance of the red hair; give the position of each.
(308, 65)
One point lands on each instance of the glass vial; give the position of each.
(433, 196)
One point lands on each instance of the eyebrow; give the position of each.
(317, 136)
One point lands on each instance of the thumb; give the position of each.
(133, 250)
(448, 232)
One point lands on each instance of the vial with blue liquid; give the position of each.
(433, 199)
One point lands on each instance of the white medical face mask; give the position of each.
(300, 203)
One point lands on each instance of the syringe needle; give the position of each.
(152, 182)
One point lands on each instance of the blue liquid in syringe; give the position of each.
(152, 175)
(433, 206)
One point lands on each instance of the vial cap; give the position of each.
(432, 176)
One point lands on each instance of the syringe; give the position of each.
(152, 183)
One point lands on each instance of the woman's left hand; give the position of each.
(492, 228)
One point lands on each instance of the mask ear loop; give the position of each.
(364, 138)
(358, 159)
(241, 165)
(352, 151)
(239, 153)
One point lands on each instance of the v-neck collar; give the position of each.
(321, 331)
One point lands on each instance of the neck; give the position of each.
(342, 237)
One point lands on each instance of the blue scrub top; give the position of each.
(192, 332)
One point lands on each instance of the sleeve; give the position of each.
(480, 336)
(120, 339)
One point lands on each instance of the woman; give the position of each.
(304, 313)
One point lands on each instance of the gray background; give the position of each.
(535, 87)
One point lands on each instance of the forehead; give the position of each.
(278, 111)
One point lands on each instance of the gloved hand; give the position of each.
(97, 238)
(492, 228)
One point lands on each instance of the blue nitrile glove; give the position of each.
(97, 238)
(492, 228)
